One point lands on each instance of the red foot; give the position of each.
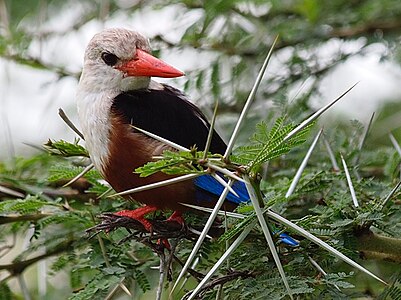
(177, 217)
(165, 243)
(139, 215)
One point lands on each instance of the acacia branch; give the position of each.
(18, 267)
(383, 25)
(374, 246)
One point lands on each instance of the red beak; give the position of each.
(145, 64)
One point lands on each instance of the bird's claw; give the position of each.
(177, 217)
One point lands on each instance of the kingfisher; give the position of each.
(116, 94)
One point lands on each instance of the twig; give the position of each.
(11, 192)
(220, 281)
(18, 218)
(195, 274)
(65, 118)
(232, 275)
(173, 246)
(38, 63)
(18, 267)
(161, 229)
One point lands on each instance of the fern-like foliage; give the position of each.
(268, 144)
(30, 204)
(174, 163)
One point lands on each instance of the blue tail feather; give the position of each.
(211, 185)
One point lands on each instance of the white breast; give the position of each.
(94, 116)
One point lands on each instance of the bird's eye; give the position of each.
(109, 58)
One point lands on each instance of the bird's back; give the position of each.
(167, 113)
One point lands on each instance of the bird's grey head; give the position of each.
(106, 52)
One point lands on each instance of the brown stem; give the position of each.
(20, 218)
(232, 275)
(374, 246)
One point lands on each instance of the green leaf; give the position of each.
(66, 149)
(30, 204)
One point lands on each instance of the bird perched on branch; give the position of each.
(115, 93)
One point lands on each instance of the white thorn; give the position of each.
(316, 115)
(225, 172)
(221, 212)
(320, 269)
(334, 164)
(157, 184)
(395, 143)
(301, 168)
(248, 102)
(161, 139)
(349, 181)
(224, 183)
(11, 192)
(267, 234)
(320, 243)
(391, 194)
(226, 254)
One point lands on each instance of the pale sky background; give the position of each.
(29, 99)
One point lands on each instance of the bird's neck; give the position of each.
(94, 108)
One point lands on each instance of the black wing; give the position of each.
(167, 113)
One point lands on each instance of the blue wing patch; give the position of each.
(211, 185)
